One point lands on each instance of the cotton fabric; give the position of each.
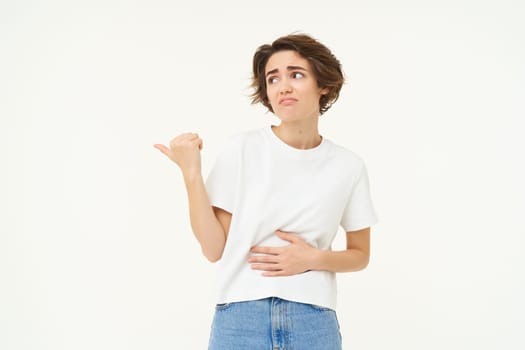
(268, 185)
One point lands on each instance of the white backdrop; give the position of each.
(96, 249)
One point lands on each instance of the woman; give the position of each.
(272, 204)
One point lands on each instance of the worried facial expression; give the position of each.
(292, 87)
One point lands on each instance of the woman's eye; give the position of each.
(297, 75)
(272, 80)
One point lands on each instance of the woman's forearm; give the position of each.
(340, 261)
(205, 225)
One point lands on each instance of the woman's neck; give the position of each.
(298, 135)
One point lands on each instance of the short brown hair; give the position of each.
(325, 66)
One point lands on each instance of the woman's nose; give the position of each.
(285, 87)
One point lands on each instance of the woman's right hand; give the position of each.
(184, 150)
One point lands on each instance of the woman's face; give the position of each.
(292, 87)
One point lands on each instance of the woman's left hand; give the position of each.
(289, 260)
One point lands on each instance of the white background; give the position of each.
(96, 249)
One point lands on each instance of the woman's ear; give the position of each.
(324, 91)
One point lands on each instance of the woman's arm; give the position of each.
(211, 233)
(299, 256)
(209, 224)
(354, 258)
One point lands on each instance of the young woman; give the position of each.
(272, 204)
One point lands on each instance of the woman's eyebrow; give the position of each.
(287, 68)
(295, 68)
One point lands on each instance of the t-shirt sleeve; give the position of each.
(359, 212)
(222, 180)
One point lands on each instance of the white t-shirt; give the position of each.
(268, 185)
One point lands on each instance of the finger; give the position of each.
(275, 273)
(187, 136)
(197, 142)
(266, 250)
(263, 259)
(162, 148)
(287, 236)
(265, 267)
(194, 140)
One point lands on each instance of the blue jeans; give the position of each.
(274, 324)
